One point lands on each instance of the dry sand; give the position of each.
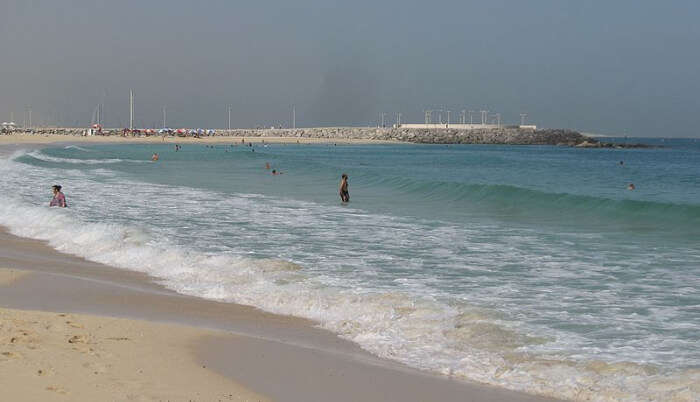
(75, 357)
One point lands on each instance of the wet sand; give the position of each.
(50, 356)
(280, 357)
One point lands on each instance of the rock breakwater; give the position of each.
(513, 136)
(505, 135)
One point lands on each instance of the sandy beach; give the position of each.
(78, 357)
(261, 201)
(59, 316)
(72, 329)
(294, 202)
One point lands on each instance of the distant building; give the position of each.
(453, 126)
(445, 126)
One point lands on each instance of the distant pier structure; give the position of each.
(488, 121)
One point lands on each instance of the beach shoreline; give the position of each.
(54, 355)
(102, 290)
(233, 341)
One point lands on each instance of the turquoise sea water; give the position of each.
(530, 267)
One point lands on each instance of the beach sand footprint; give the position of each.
(97, 367)
(24, 337)
(57, 389)
(4, 356)
(78, 339)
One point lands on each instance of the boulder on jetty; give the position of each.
(591, 143)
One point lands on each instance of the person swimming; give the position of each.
(343, 188)
(154, 157)
(631, 186)
(59, 199)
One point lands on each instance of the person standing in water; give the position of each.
(343, 189)
(58, 200)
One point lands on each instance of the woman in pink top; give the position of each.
(58, 200)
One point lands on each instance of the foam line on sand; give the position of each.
(167, 346)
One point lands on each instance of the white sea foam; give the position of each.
(77, 148)
(48, 158)
(409, 323)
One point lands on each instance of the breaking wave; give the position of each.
(447, 336)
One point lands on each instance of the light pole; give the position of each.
(522, 118)
(484, 117)
(471, 117)
(131, 110)
(229, 118)
(164, 115)
(294, 116)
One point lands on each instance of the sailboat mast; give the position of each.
(131, 110)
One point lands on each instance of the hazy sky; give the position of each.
(620, 67)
